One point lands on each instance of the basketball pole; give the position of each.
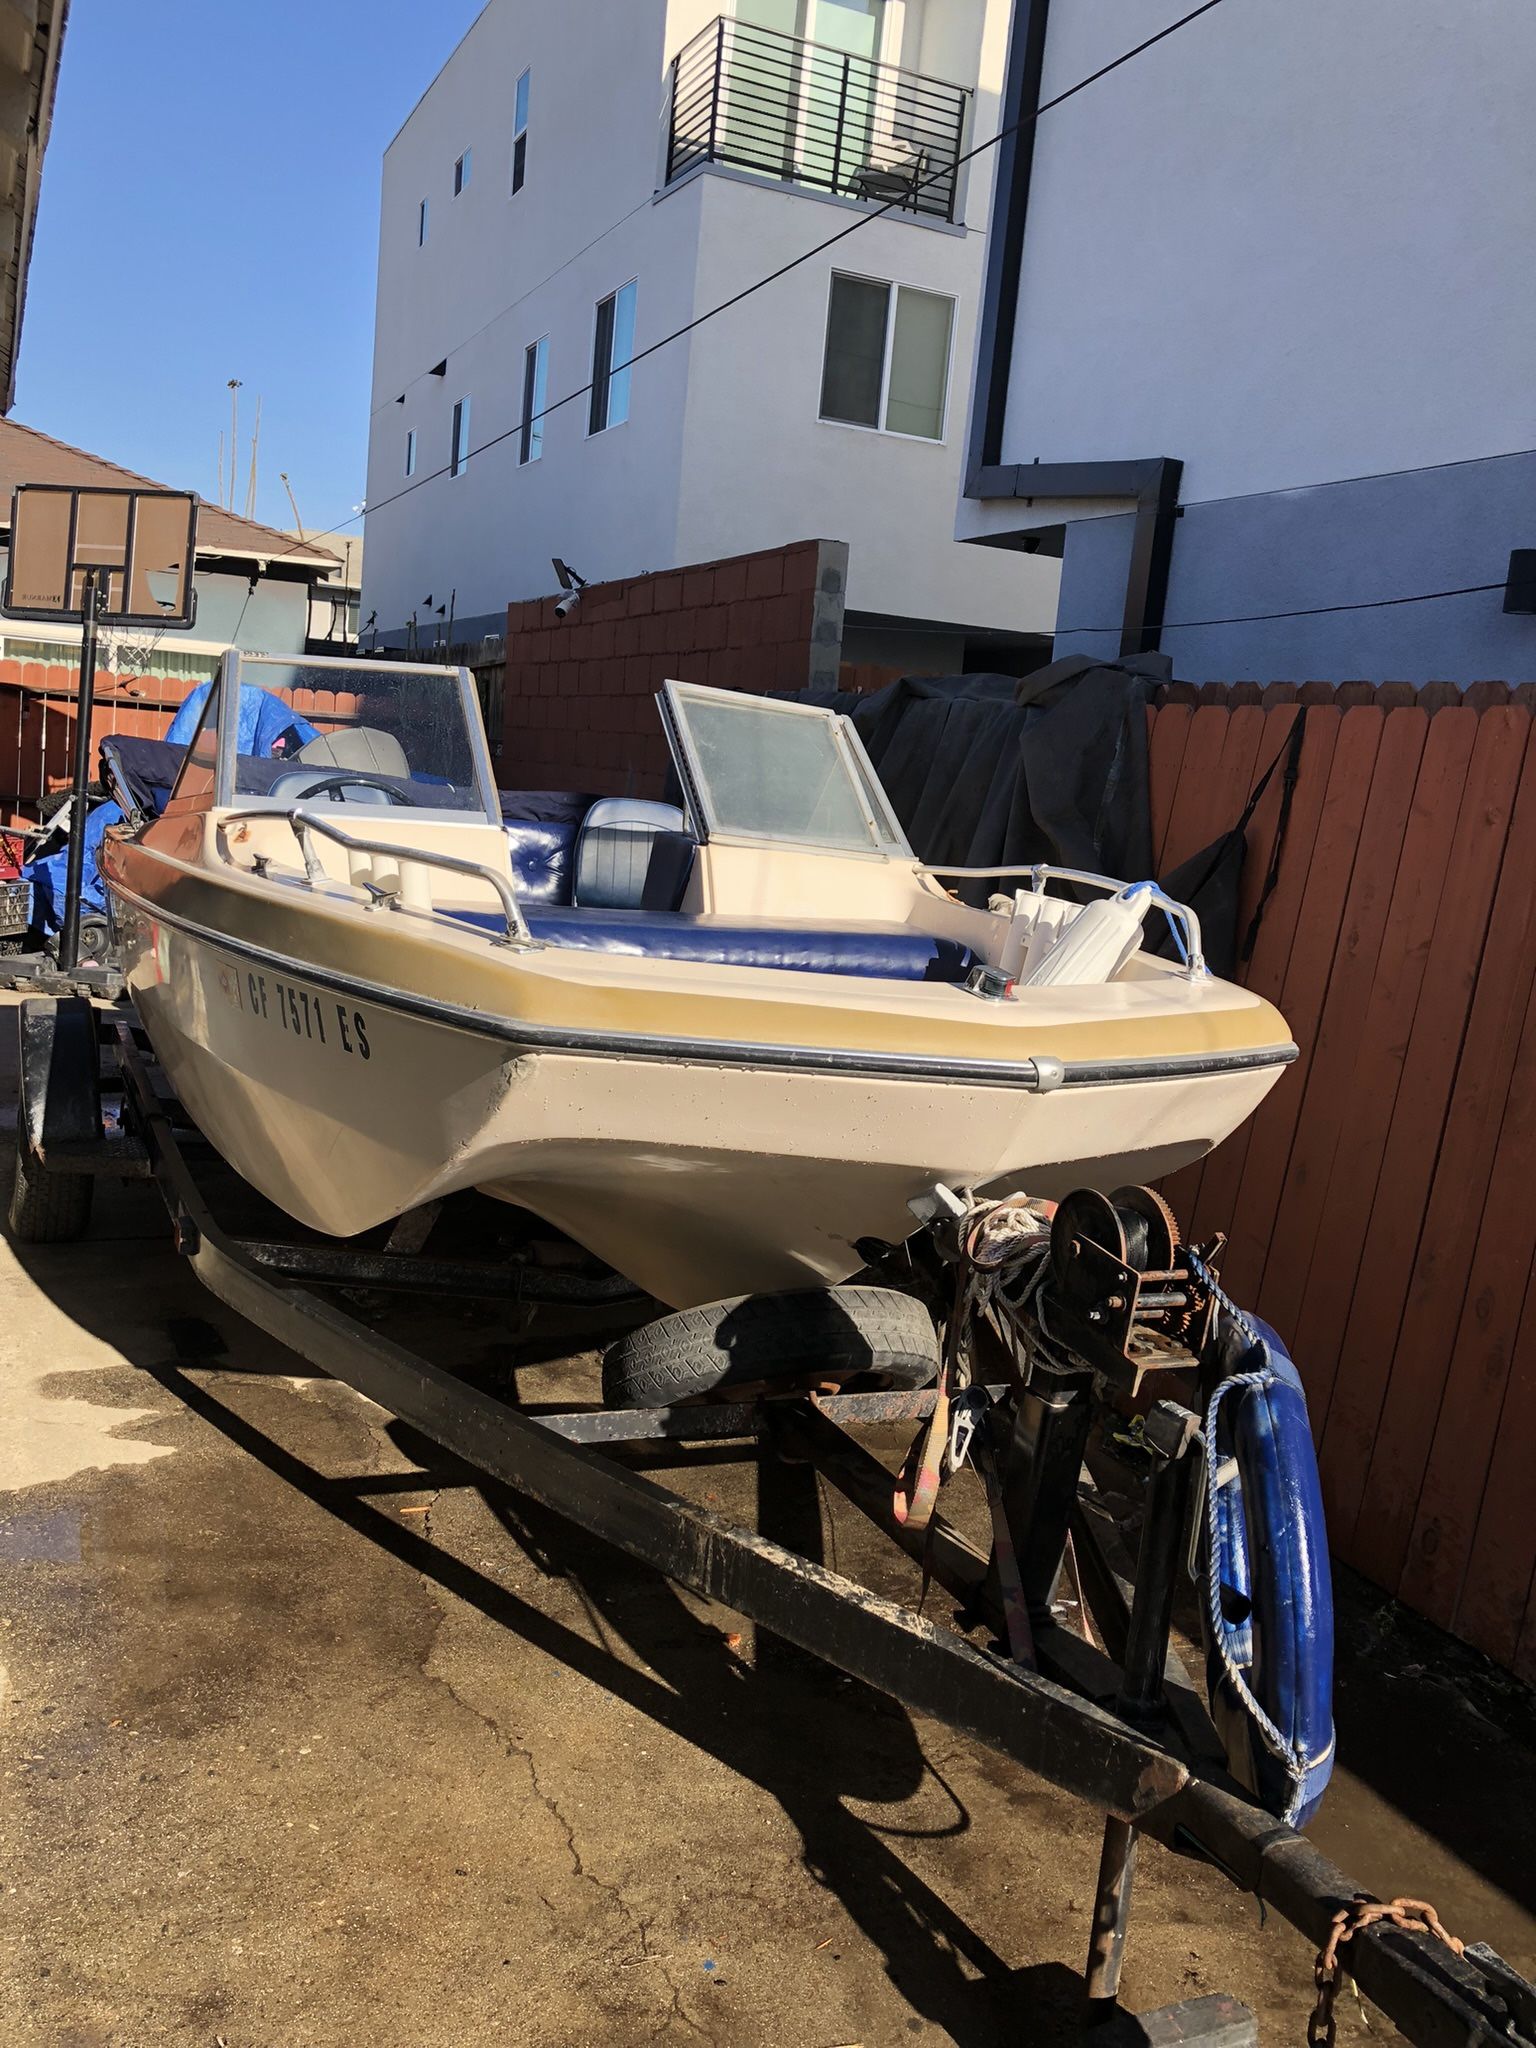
(85, 705)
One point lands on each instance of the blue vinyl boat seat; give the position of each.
(542, 827)
(884, 952)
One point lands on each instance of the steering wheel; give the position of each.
(328, 785)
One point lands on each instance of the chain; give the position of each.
(1413, 1916)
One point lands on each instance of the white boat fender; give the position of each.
(1098, 941)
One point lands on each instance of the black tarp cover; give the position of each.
(990, 771)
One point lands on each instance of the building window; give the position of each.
(613, 348)
(410, 451)
(461, 171)
(460, 453)
(535, 394)
(422, 223)
(520, 134)
(887, 359)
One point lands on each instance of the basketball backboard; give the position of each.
(142, 545)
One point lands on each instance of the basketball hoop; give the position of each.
(95, 558)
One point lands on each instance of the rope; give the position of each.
(1289, 1753)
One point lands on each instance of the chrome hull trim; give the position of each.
(1028, 1075)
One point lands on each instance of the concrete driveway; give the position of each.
(310, 1741)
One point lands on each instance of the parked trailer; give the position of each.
(1120, 1728)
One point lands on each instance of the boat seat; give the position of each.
(613, 850)
(542, 826)
(358, 746)
(884, 952)
(542, 853)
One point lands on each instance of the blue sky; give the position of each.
(210, 210)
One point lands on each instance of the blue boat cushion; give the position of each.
(1269, 1605)
(542, 858)
(887, 952)
(542, 828)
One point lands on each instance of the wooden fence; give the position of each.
(1378, 1204)
(37, 723)
(37, 726)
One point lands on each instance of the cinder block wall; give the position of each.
(577, 699)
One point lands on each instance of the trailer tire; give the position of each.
(47, 1207)
(734, 1350)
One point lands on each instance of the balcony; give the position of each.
(809, 115)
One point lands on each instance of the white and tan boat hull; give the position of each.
(699, 1169)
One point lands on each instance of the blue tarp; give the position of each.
(48, 875)
(264, 720)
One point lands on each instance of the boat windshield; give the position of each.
(757, 768)
(369, 733)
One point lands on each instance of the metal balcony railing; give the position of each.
(767, 102)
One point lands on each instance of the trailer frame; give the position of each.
(1121, 1728)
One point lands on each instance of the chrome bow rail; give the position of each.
(304, 823)
(1182, 921)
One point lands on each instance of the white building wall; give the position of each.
(1288, 245)
(722, 451)
(759, 468)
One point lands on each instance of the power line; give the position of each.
(818, 249)
(1311, 611)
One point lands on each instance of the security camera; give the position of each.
(572, 584)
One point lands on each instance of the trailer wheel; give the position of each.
(47, 1207)
(773, 1343)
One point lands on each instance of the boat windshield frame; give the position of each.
(886, 840)
(238, 667)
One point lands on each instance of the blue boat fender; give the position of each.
(1263, 1564)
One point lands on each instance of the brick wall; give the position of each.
(577, 693)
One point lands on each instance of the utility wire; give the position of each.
(1311, 611)
(818, 249)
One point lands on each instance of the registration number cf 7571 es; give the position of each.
(317, 1019)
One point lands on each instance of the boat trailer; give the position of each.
(1114, 1720)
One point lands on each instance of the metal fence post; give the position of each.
(837, 140)
(672, 121)
(714, 97)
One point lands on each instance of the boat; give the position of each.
(721, 1043)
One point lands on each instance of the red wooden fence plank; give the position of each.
(1209, 728)
(1204, 810)
(1321, 1205)
(1303, 993)
(30, 782)
(1437, 1295)
(1382, 1048)
(1412, 1147)
(10, 741)
(1497, 1331)
(1496, 1585)
(1265, 972)
(1166, 739)
(1438, 696)
(1487, 696)
(1271, 752)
